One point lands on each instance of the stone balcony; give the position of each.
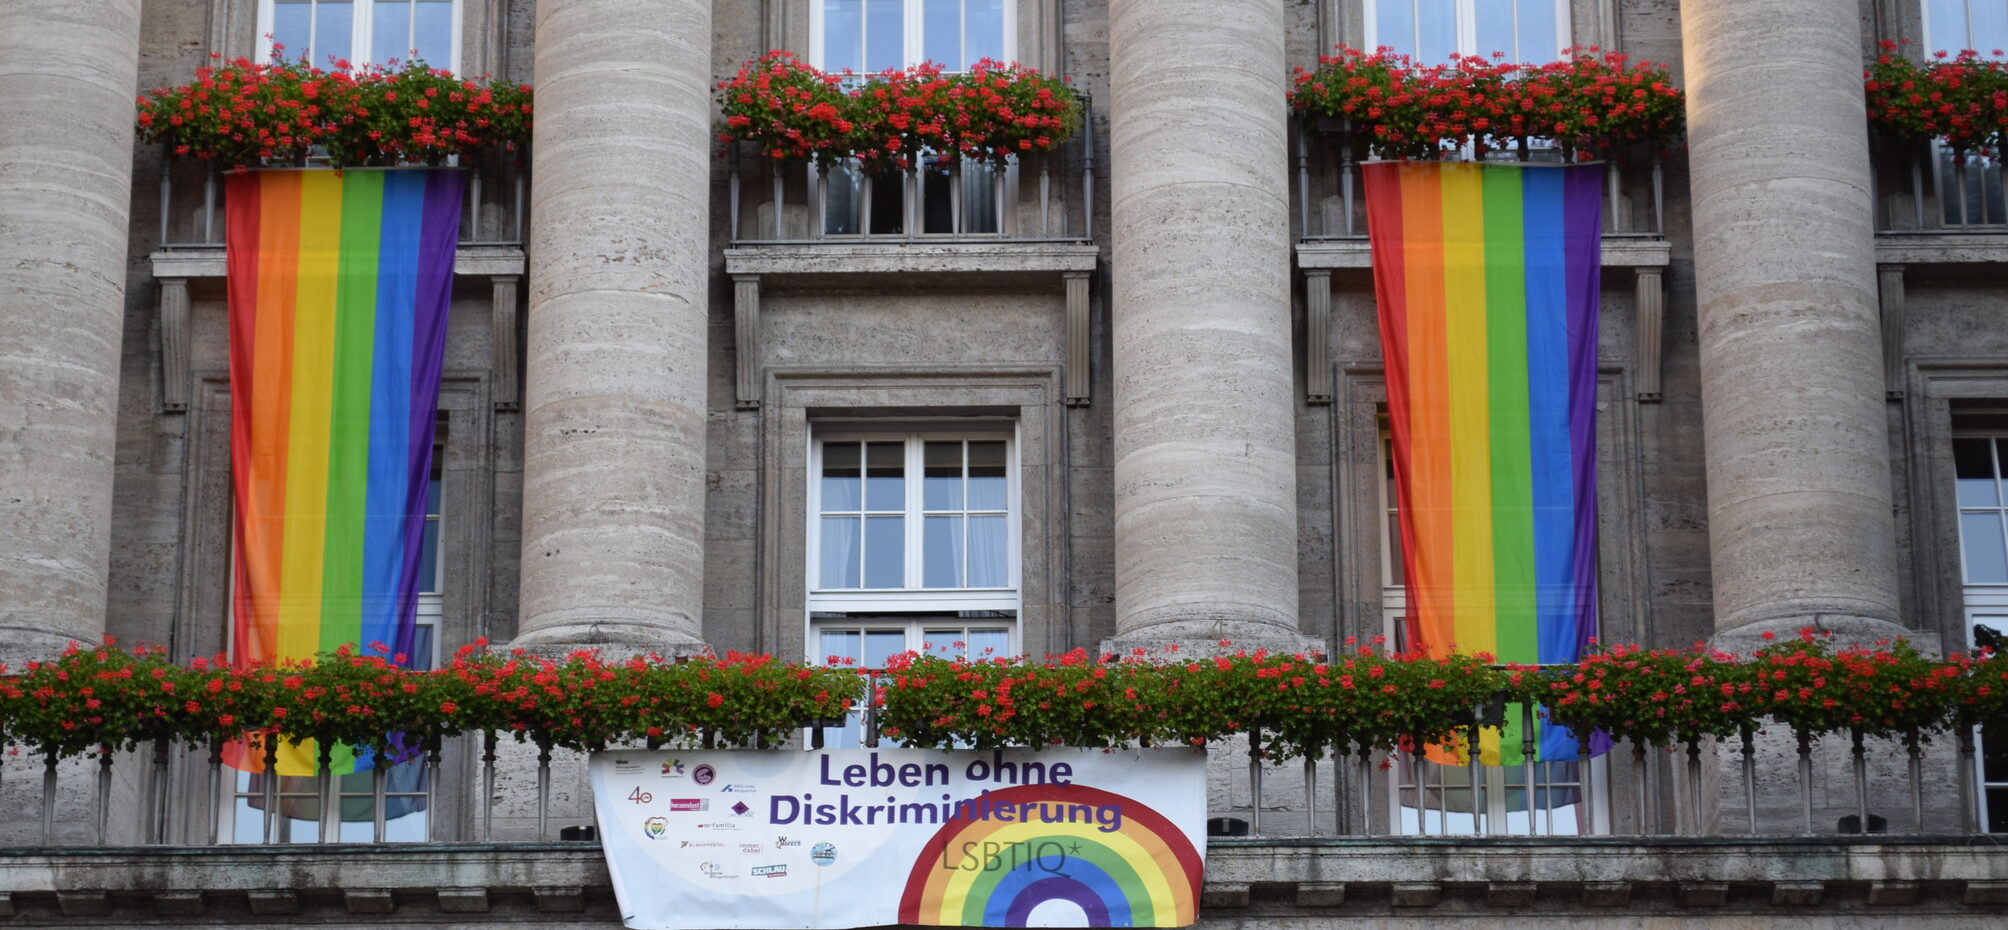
(562, 885)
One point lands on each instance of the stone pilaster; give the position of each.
(67, 76)
(1205, 442)
(1791, 352)
(614, 394)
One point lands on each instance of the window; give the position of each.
(1979, 452)
(405, 792)
(953, 196)
(362, 31)
(869, 36)
(914, 521)
(1970, 190)
(841, 640)
(1428, 798)
(1433, 30)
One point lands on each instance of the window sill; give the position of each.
(198, 262)
(1357, 253)
(1942, 248)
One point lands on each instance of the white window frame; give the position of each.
(1467, 29)
(912, 598)
(362, 25)
(431, 614)
(912, 30)
(1428, 776)
(1982, 601)
(1931, 43)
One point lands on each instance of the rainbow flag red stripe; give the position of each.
(1486, 281)
(339, 284)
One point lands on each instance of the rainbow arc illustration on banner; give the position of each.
(339, 284)
(1486, 280)
(1145, 873)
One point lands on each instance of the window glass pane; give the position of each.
(434, 37)
(941, 33)
(885, 472)
(428, 558)
(421, 647)
(983, 30)
(839, 553)
(944, 476)
(1986, 559)
(885, 552)
(1436, 30)
(881, 645)
(989, 644)
(842, 197)
(291, 24)
(1990, 26)
(1945, 24)
(946, 643)
(332, 23)
(888, 203)
(936, 209)
(1975, 469)
(942, 561)
(838, 645)
(432, 492)
(843, 31)
(1394, 25)
(1495, 27)
(1540, 39)
(1397, 573)
(988, 546)
(390, 35)
(979, 197)
(885, 38)
(987, 490)
(840, 476)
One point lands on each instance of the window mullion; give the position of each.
(1467, 34)
(916, 511)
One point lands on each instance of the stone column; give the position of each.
(1791, 354)
(1205, 438)
(614, 395)
(68, 73)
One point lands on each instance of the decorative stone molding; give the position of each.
(1318, 336)
(1080, 336)
(1649, 308)
(911, 258)
(469, 261)
(174, 336)
(1889, 287)
(746, 340)
(508, 387)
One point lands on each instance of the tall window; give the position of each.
(1427, 798)
(362, 31)
(1433, 30)
(869, 36)
(914, 546)
(956, 196)
(1970, 188)
(1979, 453)
(299, 816)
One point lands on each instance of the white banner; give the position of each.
(864, 838)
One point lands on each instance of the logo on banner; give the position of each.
(751, 849)
(948, 878)
(782, 842)
(701, 844)
(719, 825)
(742, 789)
(655, 827)
(770, 871)
(672, 768)
(703, 774)
(823, 853)
(689, 804)
(740, 809)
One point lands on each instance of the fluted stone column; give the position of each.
(68, 72)
(1205, 443)
(614, 398)
(1791, 355)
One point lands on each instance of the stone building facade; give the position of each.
(1162, 340)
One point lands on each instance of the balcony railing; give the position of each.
(1330, 205)
(492, 210)
(1766, 784)
(1926, 187)
(1047, 197)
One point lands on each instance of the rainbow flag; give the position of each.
(339, 284)
(1486, 280)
